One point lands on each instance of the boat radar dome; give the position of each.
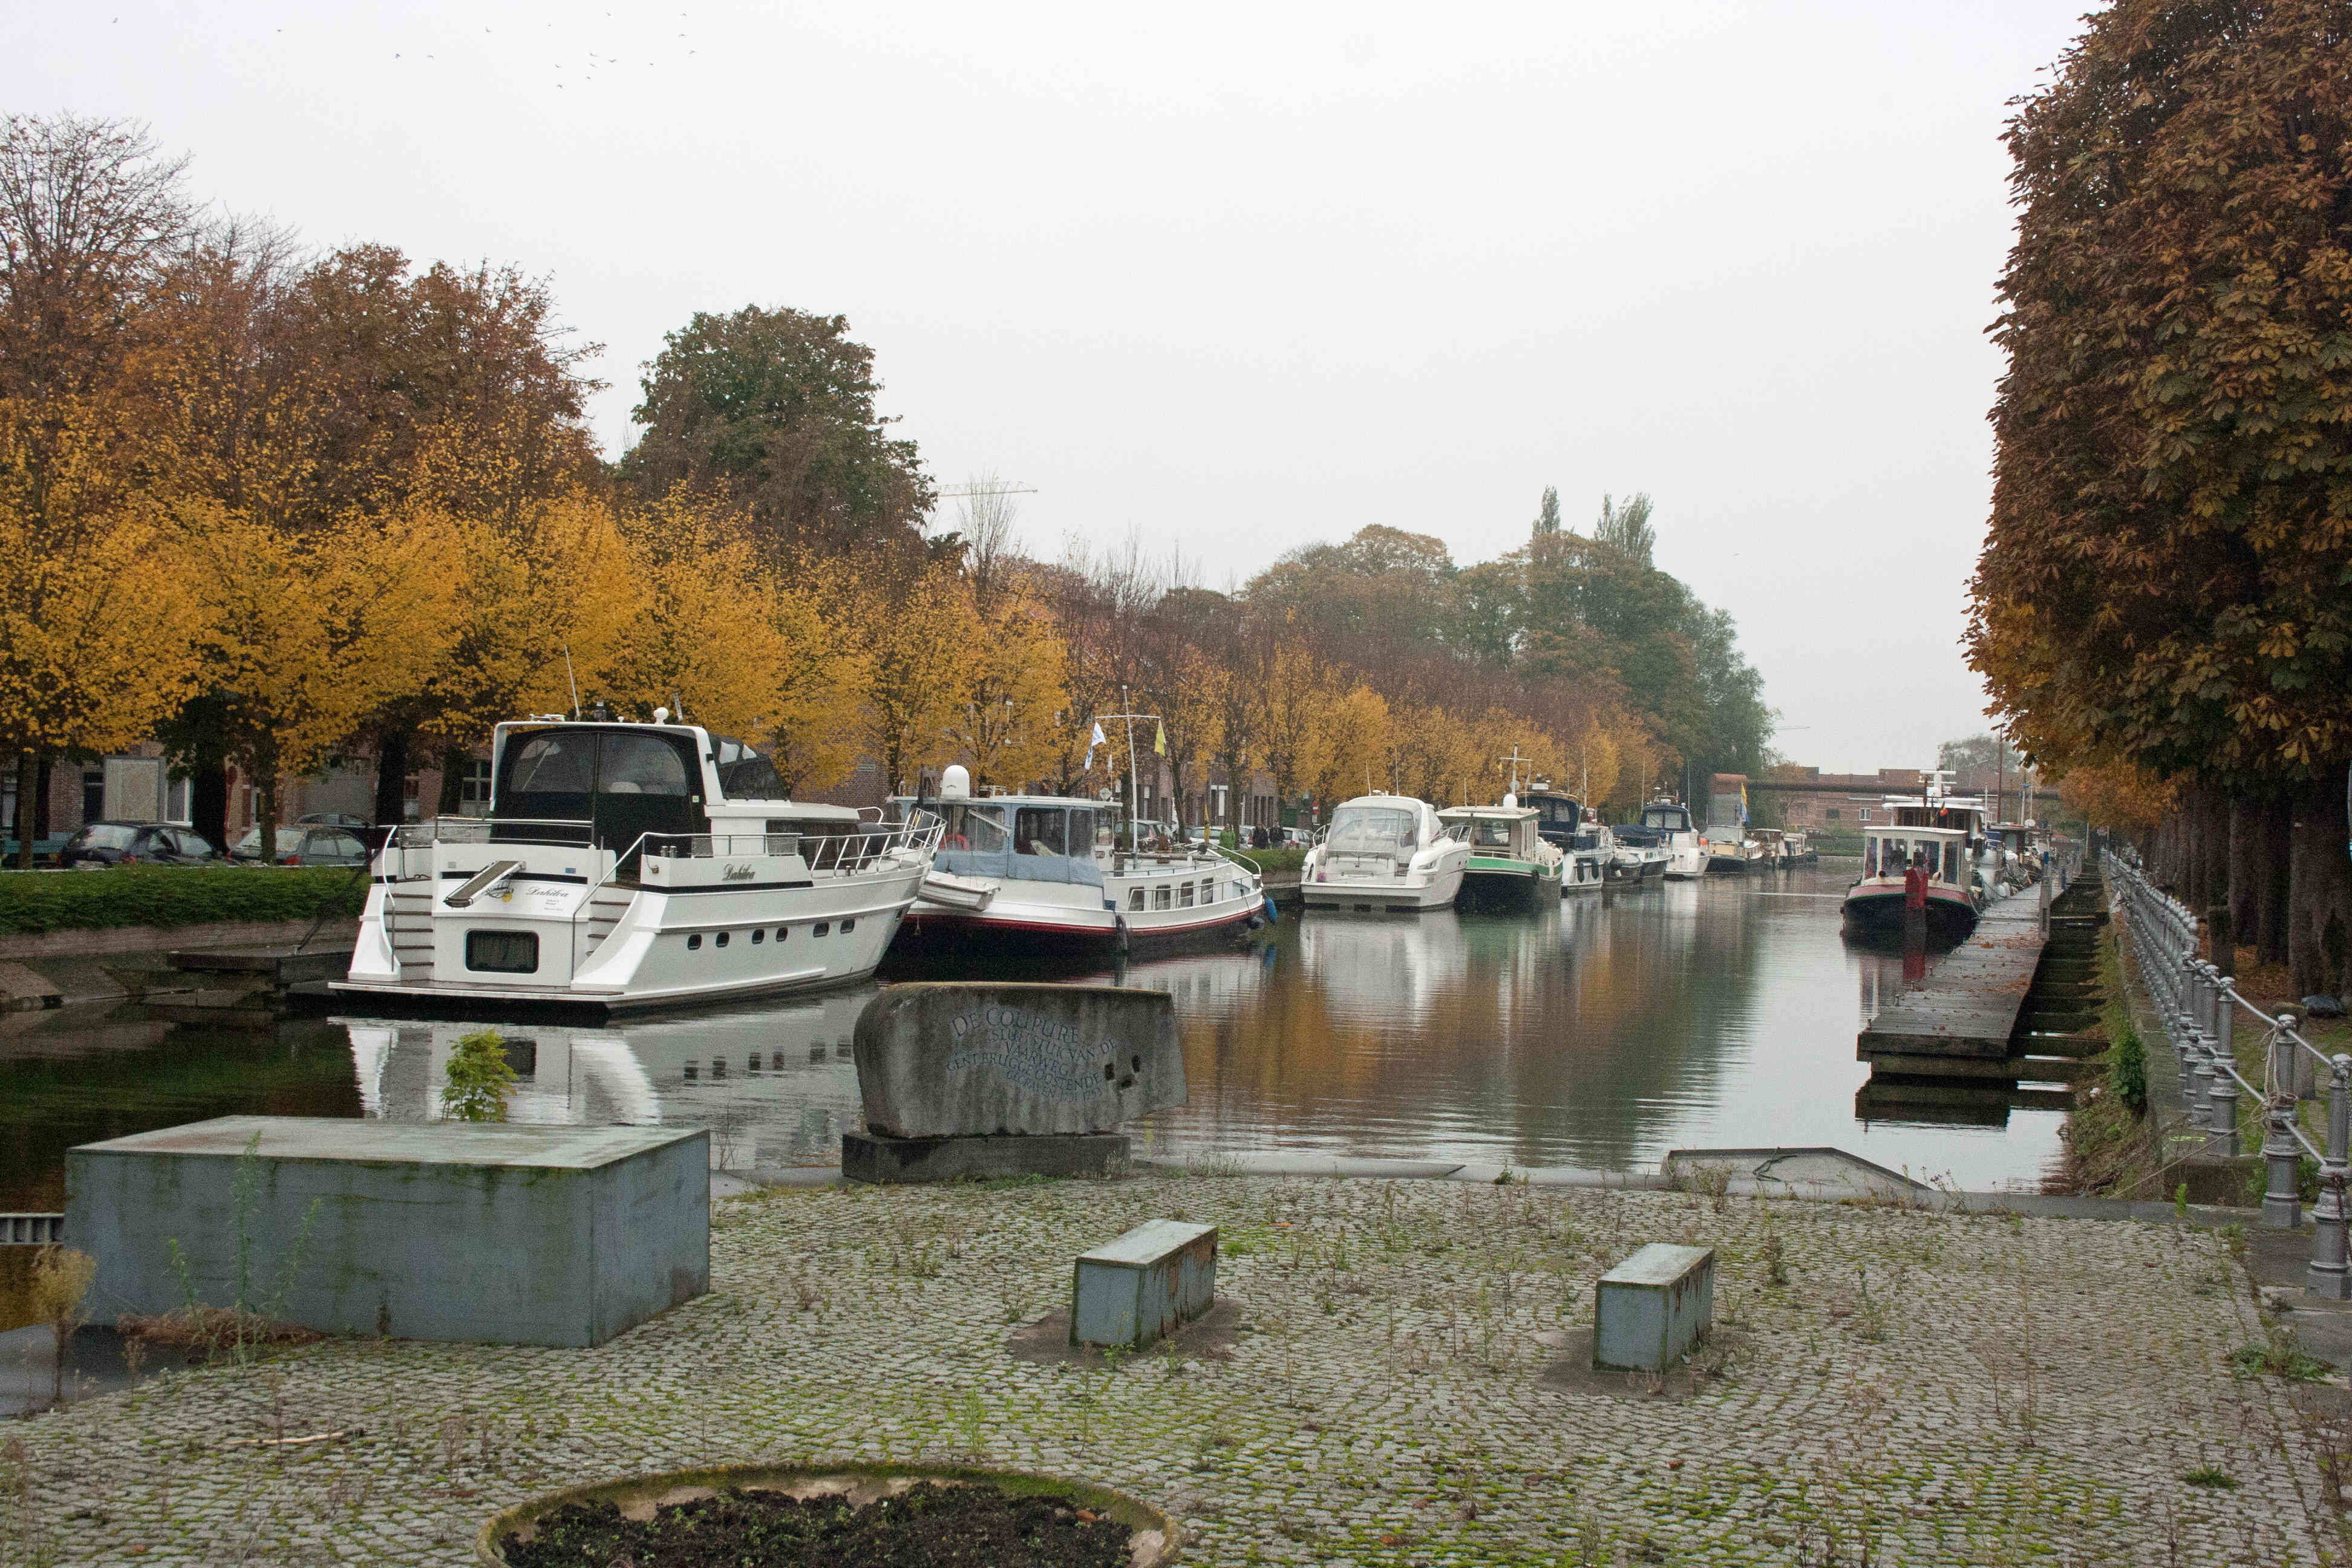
(661, 715)
(955, 783)
(1510, 800)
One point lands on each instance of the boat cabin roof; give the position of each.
(1897, 830)
(1471, 812)
(732, 772)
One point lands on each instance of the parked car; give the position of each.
(332, 819)
(298, 845)
(136, 843)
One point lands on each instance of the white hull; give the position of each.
(1144, 900)
(1413, 892)
(1585, 872)
(693, 929)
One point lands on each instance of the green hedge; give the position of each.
(32, 901)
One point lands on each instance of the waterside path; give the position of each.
(1401, 1384)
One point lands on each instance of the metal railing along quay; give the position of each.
(2199, 1006)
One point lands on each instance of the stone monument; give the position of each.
(1007, 1079)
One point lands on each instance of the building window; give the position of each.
(475, 793)
(1832, 813)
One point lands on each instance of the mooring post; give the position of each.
(2331, 1249)
(2221, 1115)
(2281, 1155)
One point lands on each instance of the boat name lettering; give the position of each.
(1036, 1053)
(734, 873)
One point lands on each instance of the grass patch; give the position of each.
(36, 901)
(2206, 1476)
(2282, 1357)
(2109, 1148)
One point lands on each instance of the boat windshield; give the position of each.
(1484, 832)
(1667, 818)
(980, 828)
(1889, 856)
(1372, 830)
(744, 774)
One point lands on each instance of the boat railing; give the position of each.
(841, 853)
(563, 831)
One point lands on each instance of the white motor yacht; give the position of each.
(1051, 872)
(1665, 825)
(627, 865)
(1384, 852)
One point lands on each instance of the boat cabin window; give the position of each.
(1041, 830)
(1490, 833)
(744, 774)
(1555, 811)
(1372, 830)
(980, 828)
(640, 765)
(625, 783)
(1667, 818)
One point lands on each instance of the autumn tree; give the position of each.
(93, 644)
(2163, 585)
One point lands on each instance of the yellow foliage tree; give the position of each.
(920, 649)
(300, 636)
(1352, 747)
(1009, 726)
(703, 641)
(1293, 684)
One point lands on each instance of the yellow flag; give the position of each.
(1160, 740)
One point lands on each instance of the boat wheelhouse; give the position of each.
(1875, 904)
(1510, 861)
(1666, 825)
(1384, 852)
(1579, 835)
(1052, 872)
(625, 865)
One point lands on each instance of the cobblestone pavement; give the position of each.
(1923, 1388)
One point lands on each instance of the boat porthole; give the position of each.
(848, 925)
(758, 937)
(722, 938)
(822, 927)
(783, 932)
(694, 943)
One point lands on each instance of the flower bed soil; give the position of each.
(926, 1526)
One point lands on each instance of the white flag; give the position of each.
(1099, 740)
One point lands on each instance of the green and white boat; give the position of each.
(1510, 863)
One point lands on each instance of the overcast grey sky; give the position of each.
(1243, 278)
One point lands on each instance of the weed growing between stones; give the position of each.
(2280, 1356)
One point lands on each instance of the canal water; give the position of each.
(1600, 1036)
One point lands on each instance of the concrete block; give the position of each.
(868, 1158)
(1651, 1308)
(504, 1234)
(943, 1061)
(1149, 1283)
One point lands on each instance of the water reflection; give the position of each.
(1598, 1034)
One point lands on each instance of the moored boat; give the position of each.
(1666, 826)
(1053, 874)
(1581, 837)
(1944, 836)
(627, 865)
(1384, 852)
(1510, 861)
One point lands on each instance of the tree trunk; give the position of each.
(452, 781)
(208, 802)
(44, 775)
(391, 778)
(26, 772)
(2245, 827)
(2319, 892)
(268, 793)
(2213, 854)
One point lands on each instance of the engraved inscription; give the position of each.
(1039, 1054)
